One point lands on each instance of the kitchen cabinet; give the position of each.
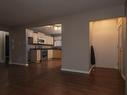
(57, 54)
(50, 54)
(35, 56)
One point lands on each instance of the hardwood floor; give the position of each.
(47, 79)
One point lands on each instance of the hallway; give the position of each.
(47, 79)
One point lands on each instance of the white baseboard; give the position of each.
(76, 71)
(20, 64)
(123, 76)
(91, 68)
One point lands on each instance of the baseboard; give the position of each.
(91, 68)
(56, 58)
(20, 64)
(123, 76)
(76, 71)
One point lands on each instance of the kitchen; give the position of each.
(44, 43)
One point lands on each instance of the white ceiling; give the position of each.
(49, 30)
(23, 12)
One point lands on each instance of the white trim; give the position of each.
(91, 68)
(26, 39)
(123, 76)
(72, 70)
(78, 71)
(20, 64)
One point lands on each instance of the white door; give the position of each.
(104, 39)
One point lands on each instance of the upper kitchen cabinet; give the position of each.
(38, 37)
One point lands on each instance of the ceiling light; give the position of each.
(55, 28)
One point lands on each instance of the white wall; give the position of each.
(75, 36)
(125, 54)
(104, 38)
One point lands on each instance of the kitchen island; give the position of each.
(41, 52)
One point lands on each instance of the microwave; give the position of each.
(41, 41)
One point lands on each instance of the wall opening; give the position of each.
(44, 44)
(4, 47)
(107, 39)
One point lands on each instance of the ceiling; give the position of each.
(24, 12)
(53, 30)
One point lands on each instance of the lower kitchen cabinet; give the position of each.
(57, 54)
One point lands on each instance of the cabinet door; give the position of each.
(35, 38)
(50, 54)
(35, 56)
(48, 40)
(57, 54)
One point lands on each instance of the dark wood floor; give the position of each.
(47, 79)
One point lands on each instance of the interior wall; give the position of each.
(125, 59)
(18, 46)
(4, 28)
(75, 36)
(123, 46)
(104, 39)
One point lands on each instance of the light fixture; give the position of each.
(48, 26)
(55, 28)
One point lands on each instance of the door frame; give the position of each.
(90, 38)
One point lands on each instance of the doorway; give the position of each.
(44, 44)
(106, 37)
(4, 47)
(7, 49)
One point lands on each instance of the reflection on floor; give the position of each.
(47, 79)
